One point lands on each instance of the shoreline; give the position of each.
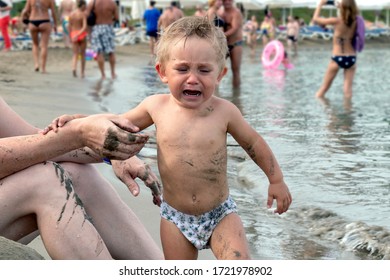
(39, 98)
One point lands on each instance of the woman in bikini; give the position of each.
(212, 13)
(343, 53)
(40, 28)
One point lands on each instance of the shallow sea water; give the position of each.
(335, 155)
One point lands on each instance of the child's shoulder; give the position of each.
(156, 98)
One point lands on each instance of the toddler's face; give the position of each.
(191, 72)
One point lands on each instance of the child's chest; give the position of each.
(189, 132)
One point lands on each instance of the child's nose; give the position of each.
(192, 77)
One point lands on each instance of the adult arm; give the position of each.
(116, 13)
(54, 14)
(26, 10)
(21, 146)
(317, 19)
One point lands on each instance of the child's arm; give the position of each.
(60, 121)
(262, 155)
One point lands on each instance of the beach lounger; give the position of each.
(123, 36)
(20, 42)
(316, 31)
(377, 32)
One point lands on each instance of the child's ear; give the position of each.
(222, 74)
(161, 73)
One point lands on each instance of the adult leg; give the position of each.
(174, 243)
(235, 58)
(4, 22)
(349, 74)
(35, 47)
(121, 230)
(111, 59)
(45, 30)
(100, 62)
(228, 241)
(330, 74)
(42, 197)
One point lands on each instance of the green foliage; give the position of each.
(17, 8)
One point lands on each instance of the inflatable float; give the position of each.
(273, 55)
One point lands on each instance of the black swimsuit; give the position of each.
(218, 22)
(38, 22)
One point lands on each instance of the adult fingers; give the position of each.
(124, 124)
(122, 151)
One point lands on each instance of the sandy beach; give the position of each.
(39, 98)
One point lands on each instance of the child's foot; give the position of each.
(74, 73)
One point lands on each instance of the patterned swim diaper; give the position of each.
(198, 229)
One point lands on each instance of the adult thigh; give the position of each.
(26, 194)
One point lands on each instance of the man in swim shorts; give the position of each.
(233, 31)
(292, 33)
(102, 35)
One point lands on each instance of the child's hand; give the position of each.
(59, 122)
(280, 192)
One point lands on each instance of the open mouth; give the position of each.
(192, 93)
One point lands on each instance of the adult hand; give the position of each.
(110, 135)
(132, 168)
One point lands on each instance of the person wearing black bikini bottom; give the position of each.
(343, 50)
(40, 28)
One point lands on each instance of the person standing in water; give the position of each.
(343, 52)
(233, 31)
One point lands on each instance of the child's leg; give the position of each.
(75, 48)
(174, 243)
(228, 241)
(83, 47)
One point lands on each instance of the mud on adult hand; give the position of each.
(123, 144)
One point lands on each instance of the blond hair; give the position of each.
(211, 2)
(188, 27)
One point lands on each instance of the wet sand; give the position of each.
(39, 98)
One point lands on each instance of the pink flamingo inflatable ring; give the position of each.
(273, 55)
